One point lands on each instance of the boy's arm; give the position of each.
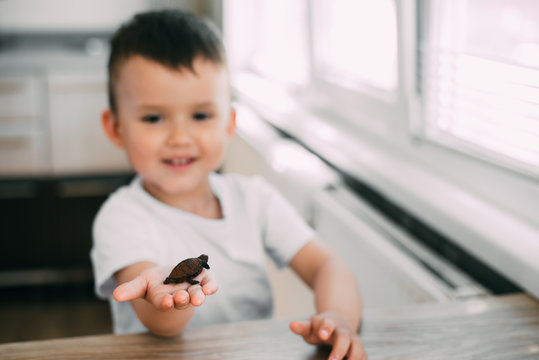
(164, 309)
(337, 300)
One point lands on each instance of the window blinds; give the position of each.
(480, 81)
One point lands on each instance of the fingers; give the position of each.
(181, 299)
(306, 330)
(131, 290)
(302, 328)
(318, 330)
(341, 345)
(357, 351)
(208, 283)
(325, 329)
(160, 298)
(194, 294)
(346, 343)
(197, 297)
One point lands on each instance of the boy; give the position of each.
(170, 111)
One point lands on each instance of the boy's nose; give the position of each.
(178, 135)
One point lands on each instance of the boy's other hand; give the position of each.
(148, 285)
(331, 329)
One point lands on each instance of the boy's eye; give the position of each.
(201, 116)
(152, 118)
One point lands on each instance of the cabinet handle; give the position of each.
(10, 140)
(92, 87)
(87, 188)
(11, 88)
(18, 190)
(17, 118)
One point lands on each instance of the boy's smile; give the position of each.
(173, 124)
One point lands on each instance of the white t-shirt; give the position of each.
(132, 226)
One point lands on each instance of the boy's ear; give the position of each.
(111, 127)
(231, 127)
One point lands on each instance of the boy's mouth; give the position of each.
(179, 162)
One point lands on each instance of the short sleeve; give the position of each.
(121, 237)
(285, 232)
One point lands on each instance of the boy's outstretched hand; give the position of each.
(148, 285)
(330, 328)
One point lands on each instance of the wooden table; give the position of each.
(495, 328)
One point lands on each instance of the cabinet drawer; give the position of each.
(19, 154)
(19, 97)
(78, 144)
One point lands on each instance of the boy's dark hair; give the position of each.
(170, 37)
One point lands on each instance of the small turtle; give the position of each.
(187, 270)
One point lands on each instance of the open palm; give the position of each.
(149, 285)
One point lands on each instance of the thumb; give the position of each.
(131, 290)
(302, 328)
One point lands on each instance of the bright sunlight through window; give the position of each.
(481, 79)
(270, 36)
(355, 42)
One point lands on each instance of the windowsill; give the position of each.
(493, 233)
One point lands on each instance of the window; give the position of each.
(268, 37)
(480, 79)
(355, 42)
(357, 79)
(465, 71)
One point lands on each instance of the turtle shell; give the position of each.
(187, 269)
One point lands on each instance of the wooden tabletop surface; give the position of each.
(495, 328)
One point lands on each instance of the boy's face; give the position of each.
(173, 124)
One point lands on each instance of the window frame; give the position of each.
(426, 11)
(377, 107)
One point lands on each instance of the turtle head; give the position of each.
(204, 258)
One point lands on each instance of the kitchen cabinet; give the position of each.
(19, 97)
(78, 144)
(50, 109)
(56, 165)
(46, 224)
(50, 124)
(23, 144)
(24, 225)
(76, 202)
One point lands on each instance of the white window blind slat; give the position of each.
(481, 95)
